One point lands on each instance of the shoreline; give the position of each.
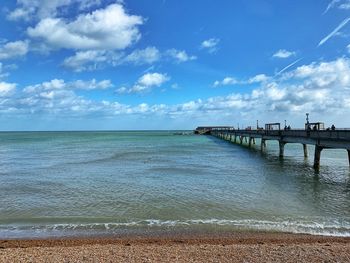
(221, 247)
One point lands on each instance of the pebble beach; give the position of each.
(235, 247)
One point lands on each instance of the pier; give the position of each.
(318, 136)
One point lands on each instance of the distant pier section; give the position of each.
(206, 130)
(313, 134)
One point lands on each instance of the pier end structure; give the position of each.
(206, 130)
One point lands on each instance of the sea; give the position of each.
(62, 184)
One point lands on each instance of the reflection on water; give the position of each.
(59, 183)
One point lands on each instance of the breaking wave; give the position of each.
(330, 228)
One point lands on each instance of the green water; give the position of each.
(88, 183)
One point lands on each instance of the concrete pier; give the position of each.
(322, 139)
(281, 145)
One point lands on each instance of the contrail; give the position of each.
(290, 65)
(342, 24)
(331, 5)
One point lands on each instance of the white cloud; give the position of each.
(153, 79)
(282, 53)
(96, 59)
(20, 13)
(229, 81)
(148, 55)
(104, 29)
(6, 89)
(92, 60)
(258, 78)
(92, 84)
(210, 44)
(60, 84)
(226, 81)
(13, 49)
(28, 9)
(180, 55)
(321, 88)
(145, 83)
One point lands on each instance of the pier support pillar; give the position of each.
(241, 139)
(230, 137)
(318, 150)
(281, 144)
(250, 141)
(235, 138)
(263, 144)
(253, 140)
(349, 156)
(305, 150)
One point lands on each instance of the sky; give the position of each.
(166, 64)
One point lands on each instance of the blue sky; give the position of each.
(161, 64)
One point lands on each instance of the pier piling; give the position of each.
(305, 150)
(263, 145)
(281, 144)
(318, 150)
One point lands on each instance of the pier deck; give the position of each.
(321, 139)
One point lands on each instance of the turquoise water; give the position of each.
(91, 183)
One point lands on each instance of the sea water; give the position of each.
(55, 184)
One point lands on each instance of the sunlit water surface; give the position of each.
(88, 183)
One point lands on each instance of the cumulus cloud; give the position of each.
(92, 60)
(13, 49)
(153, 79)
(145, 83)
(148, 55)
(282, 53)
(321, 88)
(180, 55)
(60, 84)
(96, 59)
(229, 81)
(211, 45)
(28, 9)
(104, 29)
(6, 89)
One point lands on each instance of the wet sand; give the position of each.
(233, 247)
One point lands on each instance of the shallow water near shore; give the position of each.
(55, 184)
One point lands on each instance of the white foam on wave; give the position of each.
(339, 228)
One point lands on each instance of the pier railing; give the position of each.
(321, 139)
(338, 134)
